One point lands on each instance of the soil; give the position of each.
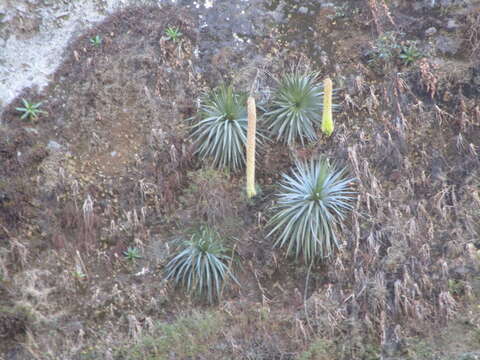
(110, 166)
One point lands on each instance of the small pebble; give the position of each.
(303, 10)
(452, 24)
(53, 145)
(431, 31)
(31, 130)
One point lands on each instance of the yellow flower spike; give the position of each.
(252, 123)
(327, 120)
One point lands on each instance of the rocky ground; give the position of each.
(109, 166)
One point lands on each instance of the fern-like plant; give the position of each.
(313, 200)
(202, 264)
(221, 132)
(297, 106)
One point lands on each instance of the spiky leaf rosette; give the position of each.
(312, 202)
(221, 133)
(202, 264)
(297, 108)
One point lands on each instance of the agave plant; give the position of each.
(297, 108)
(132, 254)
(312, 203)
(30, 110)
(202, 265)
(221, 133)
(173, 33)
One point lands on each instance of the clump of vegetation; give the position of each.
(30, 110)
(312, 203)
(187, 337)
(173, 33)
(340, 11)
(319, 349)
(386, 47)
(202, 264)
(132, 254)
(343, 11)
(389, 47)
(410, 54)
(209, 196)
(297, 107)
(79, 275)
(221, 132)
(96, 40)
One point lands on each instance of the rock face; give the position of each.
(430, 31)
(40, 33)
(470, 356)
(448, 46)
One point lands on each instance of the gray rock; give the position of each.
(463, 270)
(431, 31)
(452, 24)
(447, 45)
(470, 356)
(476, 80)
(446, 3)
(31, 130)
(277, 16)
(53, 145)
(303, 10)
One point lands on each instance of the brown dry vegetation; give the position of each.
(409, 133)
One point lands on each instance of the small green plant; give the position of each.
(297, 108)
(312, 203)
(221, 132)
(79, 275)
(386, 47)
(96, 40)
(456, 287)
(410, 54)
(202, 264)
(132, 254)
(340, 11)
(173, 33)
(389, 47)
(30, 110)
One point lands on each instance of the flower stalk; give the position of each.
(251, 130)
(327, 121)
